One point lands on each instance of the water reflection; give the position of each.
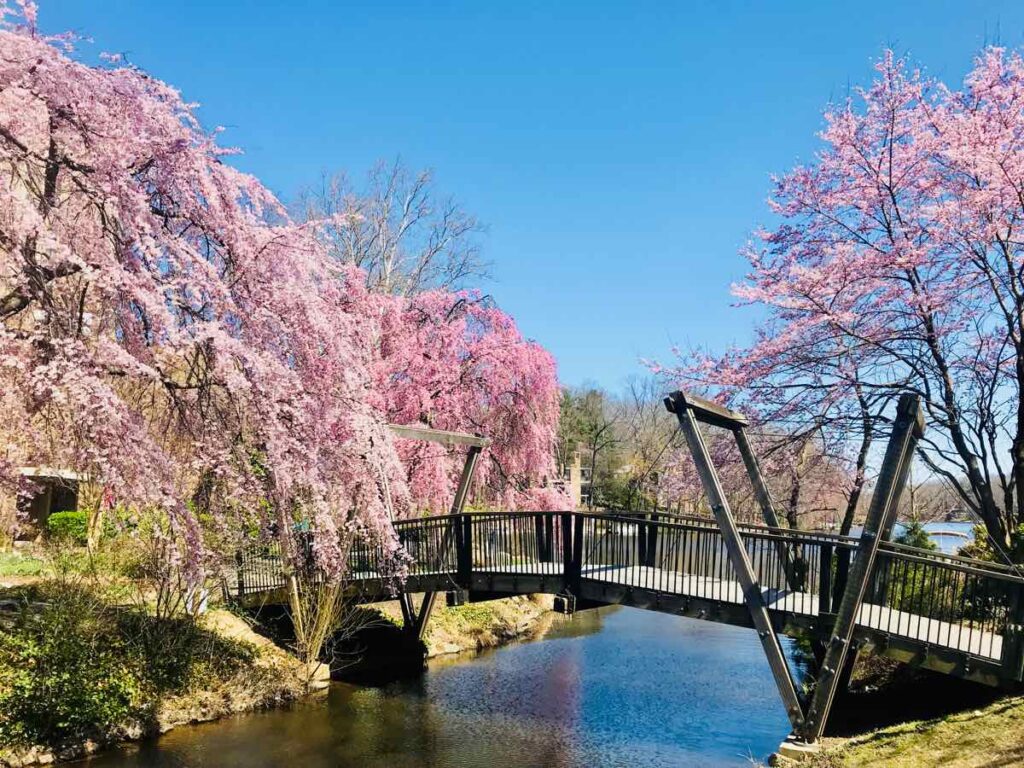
(607, 688)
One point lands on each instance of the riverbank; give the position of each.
(79, 673)
(989, 736)
(895, 715)
(478, 626)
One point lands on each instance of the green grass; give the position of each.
(16, 564)
(989, 736)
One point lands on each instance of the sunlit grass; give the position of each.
(17, 564)
(990, 736)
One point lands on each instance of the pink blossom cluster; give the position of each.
(454, 361)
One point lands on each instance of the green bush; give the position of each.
(68, 526)
(73, 666)
(914, 534)
(62, 676)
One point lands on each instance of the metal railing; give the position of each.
(937, 600)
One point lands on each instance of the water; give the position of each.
(948, 537)
(615, 687)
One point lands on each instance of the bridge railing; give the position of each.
(523, 542)
(432, 543)
(931, 597)
(688, 556)
(945, 601)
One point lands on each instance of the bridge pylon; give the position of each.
(690, 410)
(907, 430)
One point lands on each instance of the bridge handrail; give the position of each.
(986, 567)
(670, 519)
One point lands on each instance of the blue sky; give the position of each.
(619, 153)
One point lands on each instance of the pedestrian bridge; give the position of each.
(942, 612)
(847, 595)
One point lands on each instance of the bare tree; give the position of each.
(398, 228)
(649, 433)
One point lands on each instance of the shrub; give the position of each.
(68, 526)
(62, 676)
(915, 534)
(73, 666)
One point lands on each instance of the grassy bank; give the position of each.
(479, 625)
(15, 567)
(992, 735)
(79, 670)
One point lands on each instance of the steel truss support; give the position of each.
(718, 416)
(688, 410)
(419, 625)
(908, 429)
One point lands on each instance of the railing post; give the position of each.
(549, 537)
(576, 573)
(464, 557)
(825, 579)
(538, 531)
(907, 429)
(239, 563)
(652, 542)
(1012, 658)
(842, 574)
(567, 523)
(641, 540)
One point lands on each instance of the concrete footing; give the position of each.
(796, 750)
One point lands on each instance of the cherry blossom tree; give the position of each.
(165, 328)
(454, 361)
(896, 265)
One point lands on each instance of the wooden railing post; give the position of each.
(825, 579)
(907, 430)
(538, 532)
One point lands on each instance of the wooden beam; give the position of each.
(423, 432)
(907, 429)
(706, 411)
(738, 557)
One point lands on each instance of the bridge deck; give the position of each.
(926, 630)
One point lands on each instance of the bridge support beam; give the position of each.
(907, 430)
(419, 625)
(768, 513)
(684, 407)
